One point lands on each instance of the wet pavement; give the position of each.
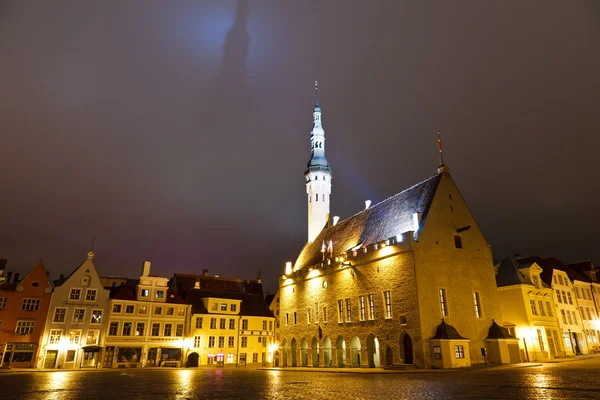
(569, 380)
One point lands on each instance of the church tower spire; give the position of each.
(318, 177)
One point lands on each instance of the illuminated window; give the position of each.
(459, 351)
(443, 302)
(198, 322)
(181, 312)
(348, 310)
(75, 294)
(30, 304)
(96, 317)
(59, 315)
(145, 293)
(362, 308)
(388, 304)
(116, 308)
(215, 307)
(143, 310)
(74, 336)
(55, 335)
(92, 337)
(371, 299)
(160, 294)
(223, 307)
(126, 329)
(139, 329)
(90, 295)
(113, 329)
(129, 309)
(533, 307)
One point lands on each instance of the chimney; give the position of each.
(204, 272)
(16, 279)
(146, 268)
(47, 274)
(367, 204)
(335, 220)
(62, 276)
(8, 276)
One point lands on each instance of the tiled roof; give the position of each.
(384, 220)
(447, 332)
(547, 264)
(508, 274)
(498, 332)
(583, 266)
(183, 282)
(575, 275)
(253, 305)
(128, 291)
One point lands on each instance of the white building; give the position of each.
(73, 335)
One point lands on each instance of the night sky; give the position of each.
(178, 131)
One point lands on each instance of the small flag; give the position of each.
(323, 248)
(330, 246)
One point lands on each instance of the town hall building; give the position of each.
(409, 280)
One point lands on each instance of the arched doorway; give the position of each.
(294, 353)
(355, 351)
(284, 355)
(407, 348)
(315, 352)
(340, 349)
(304, 351)
(389, 356)
(373, 352)
(192, 360)
(327, 352)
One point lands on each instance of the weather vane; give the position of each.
(440, 149)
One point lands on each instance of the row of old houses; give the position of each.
(88, 321)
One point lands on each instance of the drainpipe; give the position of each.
(526, 351)
(237, 358)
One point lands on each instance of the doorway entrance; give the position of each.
(50, 360)
(407, 348)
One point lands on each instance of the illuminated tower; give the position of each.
(318, 177)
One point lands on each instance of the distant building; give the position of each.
(23, 310)
(111, 282)
(554, 274)
(584, 288)
(146, 324)
(230, 322)
(375, 289)
(273, 302)
(528, 309)
(74, 331)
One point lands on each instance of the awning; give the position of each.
(92, 349)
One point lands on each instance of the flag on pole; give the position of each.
(330, 246)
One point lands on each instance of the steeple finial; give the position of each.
(440, 149)
(316, 94)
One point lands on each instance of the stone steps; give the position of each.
(400, 367)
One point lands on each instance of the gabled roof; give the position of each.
(128, 291)
(508, 274)
(384, 220)
(7, 286)
(547, 264)
(583, 266)
(447, 332)
(498, 332)
(253, 305)
(575, 275)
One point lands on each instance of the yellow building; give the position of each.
(230, 322)
(528, 309)
(273, 302)
(146, 324)
(567, 311)
(589, 270)
(582, 286)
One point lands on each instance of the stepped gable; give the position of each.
(508, 274)
(381, 221)
(128, 291)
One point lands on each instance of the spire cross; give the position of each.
(93, 240)
(440, 149)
